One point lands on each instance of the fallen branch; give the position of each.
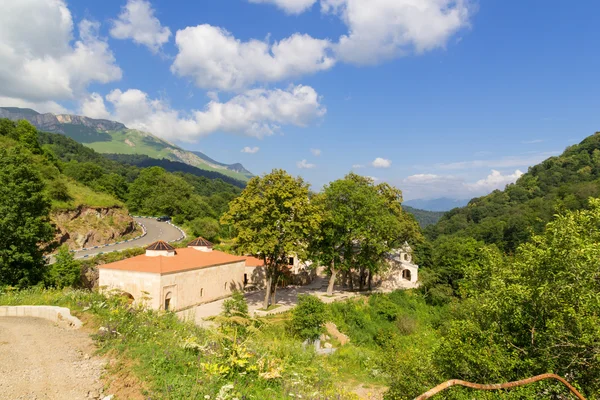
(498, 386)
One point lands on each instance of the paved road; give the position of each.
(155, 231)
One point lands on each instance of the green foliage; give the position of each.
(273, 217)
(308, 317)
(65, 271)
(59, 191)
(24, 220)
(539, 313)
(236, 305)
(424, 217)
(206, 227)
(508, 218)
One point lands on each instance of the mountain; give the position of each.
(441, 204)
(424, 217)
(106, 136)
(509, 217)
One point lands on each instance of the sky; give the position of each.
(441, 98)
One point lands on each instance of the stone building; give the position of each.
(403, 274)
(166, 278)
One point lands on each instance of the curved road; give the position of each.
(154, 231)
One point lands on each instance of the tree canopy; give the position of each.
(273, 218)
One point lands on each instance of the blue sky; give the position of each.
(437, 97)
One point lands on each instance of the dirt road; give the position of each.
(41, 361)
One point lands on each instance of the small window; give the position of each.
(245, 279)
(291, 261)
(405, 257)
(225, 287)
(201, 292)
(168, 301)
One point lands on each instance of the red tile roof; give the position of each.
(254, 262)
(185, 259)
(200, 242)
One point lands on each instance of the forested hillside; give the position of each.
(424, 217)
(509, 217)
(192, 200)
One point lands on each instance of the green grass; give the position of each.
(84, 196)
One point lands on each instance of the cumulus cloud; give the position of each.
(381, 163)
(315, 152)
(214, 59)
(137, 22)
(41, 62)
(93, 106)
(39, 106)
(305, 165)
(256, 113)
(289, 6)
(433, 185)
(250, 150)
(384, 29)
(495, 180)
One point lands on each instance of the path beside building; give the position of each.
(287, 298)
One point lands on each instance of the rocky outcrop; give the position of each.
(92, 226)
(54, 123)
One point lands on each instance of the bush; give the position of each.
(65, 271)
(308, 318)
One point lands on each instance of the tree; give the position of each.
(539, 313)
(273, 218)
(28, 136)
(25, 227)
(65, 271)
(207, 227)
(308, 317)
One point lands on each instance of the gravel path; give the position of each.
(39, 361)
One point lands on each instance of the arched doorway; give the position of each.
(168, 301)
(406, 274)
(128, 297)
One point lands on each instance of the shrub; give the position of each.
(65, 271)
(308, 318)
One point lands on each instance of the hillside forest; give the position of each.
(509, 284)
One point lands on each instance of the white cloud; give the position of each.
(255, 113)
(137, 22)
(504, 162)
(534, 141)
(305, 165)
(93, 106)
(289, 6)
(381, 163)
(39, 106)
(250, 150)
(433, 185)
(385, 29)
(217, 60)
(40, 61)
(495, 180)
(315, 152)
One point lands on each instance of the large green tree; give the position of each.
(274, 217)
(535, 314)
(24, 220)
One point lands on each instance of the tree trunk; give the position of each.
(331, 279)
(370, 279)
(274, 292)
(350, 280)
(361, 279)
(269, 284)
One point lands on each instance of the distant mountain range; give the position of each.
(112, 137)
(441, 204)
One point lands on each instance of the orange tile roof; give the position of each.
(185, 259)
(254, 262)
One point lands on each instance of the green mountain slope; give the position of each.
(424, 217)
(508, 217)
(106, 136)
